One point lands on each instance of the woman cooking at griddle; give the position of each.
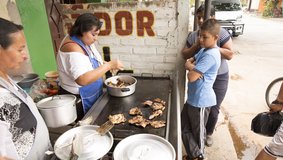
(80, 65)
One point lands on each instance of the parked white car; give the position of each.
(229, 13)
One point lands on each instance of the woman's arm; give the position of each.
(189, 52)
(192, 45)
(226, 50)
(95, 74)
(92, 75)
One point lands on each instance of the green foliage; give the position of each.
(244, 3)
(269, 7)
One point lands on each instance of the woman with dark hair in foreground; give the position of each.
(23, 133)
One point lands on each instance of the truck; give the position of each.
(229, 13)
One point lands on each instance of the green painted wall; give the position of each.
(36, 28)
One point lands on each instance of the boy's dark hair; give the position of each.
(84, 23)
(7, 28)
(201, 9)
(211, 25)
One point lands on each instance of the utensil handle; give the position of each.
(147, 75)
(125, 89)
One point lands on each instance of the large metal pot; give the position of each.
(121, 91)
(58, 111)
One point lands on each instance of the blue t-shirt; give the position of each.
(224, 36)
(200, 92)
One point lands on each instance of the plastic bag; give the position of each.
(38, 90)
(266, 123)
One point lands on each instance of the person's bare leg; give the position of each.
(264, 156)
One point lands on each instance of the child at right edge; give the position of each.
(202, 71)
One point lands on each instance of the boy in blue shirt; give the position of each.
(202, 73)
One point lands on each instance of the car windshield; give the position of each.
(226, 6)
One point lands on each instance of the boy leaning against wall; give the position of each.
(202, 73)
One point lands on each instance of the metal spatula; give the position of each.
(105, 127)
(87, 121)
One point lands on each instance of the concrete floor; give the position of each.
(222, 148)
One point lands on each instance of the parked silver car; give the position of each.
(229, 13)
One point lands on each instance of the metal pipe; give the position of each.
(207, 10)
(168, 117)
(197, 4)
(175, 133)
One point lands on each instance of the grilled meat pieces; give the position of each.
(157, 106)
(159, 101)
(120, 83)
(155, 114)
(139, 121)
(157, 124)
(117, 118)
(135, 111)
(147, 103)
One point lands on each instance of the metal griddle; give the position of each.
(147, 88)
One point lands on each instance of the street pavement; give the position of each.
(257, 62)
(222, 148)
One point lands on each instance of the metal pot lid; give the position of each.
(144, 147)
(94, 146)
(56, 101)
